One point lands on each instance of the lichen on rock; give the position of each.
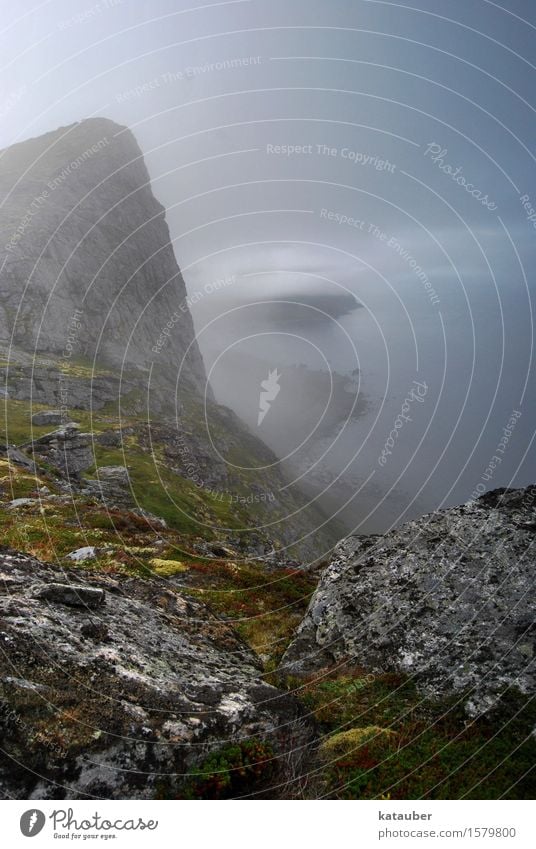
(120, 689)
(447, 599)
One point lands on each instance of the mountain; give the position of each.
(88, 266)
(94, 317)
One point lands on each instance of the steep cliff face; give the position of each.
(87, 264)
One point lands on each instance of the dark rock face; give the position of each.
(117, 475)
(68, 450)
(47, 417)
(89, 269)
(448, 598)
(19, 458)
(118, 688)
(74, 595)
(52, 385)
(112, 486)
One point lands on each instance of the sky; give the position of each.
(378, 148)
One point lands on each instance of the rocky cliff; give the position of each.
(94, 316)
(447, 600)
(87, 265)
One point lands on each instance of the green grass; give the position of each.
(83, 367)
(17, 427)
(16, 423)
(184, 506)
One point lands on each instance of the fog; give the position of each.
(350, 190)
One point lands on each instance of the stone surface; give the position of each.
(20, 502)
(56, 385)
(68, 450)
(219, 549)
(92, 274)
(47, 417)
(124, 700)
(73, 595)
(114, 474)
(14, 455)
(448, 598)
(111, 486)
(87, 552)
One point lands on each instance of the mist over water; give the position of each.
(472, 350)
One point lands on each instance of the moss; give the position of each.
(347, 742)
(163, 493)
(167, 568)
(82, 367)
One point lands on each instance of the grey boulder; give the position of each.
(447, 600)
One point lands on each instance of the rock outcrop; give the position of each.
(47, 418)
(448, 598)
(120, 688)
(111, 486)
(88, 268)
(66, 449)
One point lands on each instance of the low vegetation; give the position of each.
(378, 737)
(382, 740)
